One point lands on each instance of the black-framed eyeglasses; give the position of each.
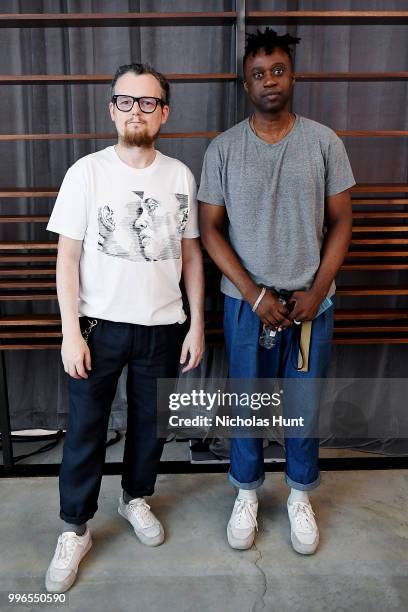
(147, 104)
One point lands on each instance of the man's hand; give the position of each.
(193, 345)
(272, 312)
(76, 356)
(306, 305)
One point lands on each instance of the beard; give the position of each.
(138, 137)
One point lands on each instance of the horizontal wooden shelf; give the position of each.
(372, 133)
(349, 76)
(372, 290)
(27, 284)
(378, 201)
(44, 20)
(27, 257)
(381, 314)
(379, 241)
(364, 229)
(54, 343)
(369, 214)
(327, 17)
(30, 320)
(175, 135)
(28, 192)
(24, 219)
(38, 79)
(374, 266)
(341, 314)
(380, 188)
(352, 326)
(27, 271)
(17, 335)
(29, 297)
(356, 215)
(24, 346)
(34, 290)
(21, 245)
(376, 254)
(190, 77)
(372, 329)
(362, 329)
(100, 136)
(48, 192)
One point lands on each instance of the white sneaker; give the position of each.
(147, 527)
(62, 571)
(242, 524)
(304, 533)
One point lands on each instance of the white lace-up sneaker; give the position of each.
(304, 533)
(242, 524)
(62, 571)
(147, 527)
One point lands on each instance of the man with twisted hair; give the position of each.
(281, 181)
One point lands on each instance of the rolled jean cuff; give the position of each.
(300, 486)
(246, 485)
(76, 520)
(145, 491)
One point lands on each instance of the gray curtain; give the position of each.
(37, 383)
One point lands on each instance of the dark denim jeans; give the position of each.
(150, 352)
(247, 359)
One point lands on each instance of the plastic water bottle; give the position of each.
(267, 339)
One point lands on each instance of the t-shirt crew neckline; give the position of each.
(134, 171)
(272, 144)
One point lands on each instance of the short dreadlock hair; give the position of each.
(268, 41)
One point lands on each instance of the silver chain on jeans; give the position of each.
(87, 331)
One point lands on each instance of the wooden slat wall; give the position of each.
(380, 238)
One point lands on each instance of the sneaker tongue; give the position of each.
(65, 551)
(245, 516)
(303, 518)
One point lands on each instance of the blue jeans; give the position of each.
(247, 359)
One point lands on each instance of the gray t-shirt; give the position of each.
(274, 197)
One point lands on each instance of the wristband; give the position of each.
(260, 296)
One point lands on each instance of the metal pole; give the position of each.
(5, 419)
(239, 53)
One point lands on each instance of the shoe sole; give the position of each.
(238, 544)
(303, 549)
(57, 587)
(156, 541)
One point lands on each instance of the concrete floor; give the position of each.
(361, 564)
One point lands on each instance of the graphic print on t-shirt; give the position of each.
(143, 229)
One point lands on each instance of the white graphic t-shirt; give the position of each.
(131, 222)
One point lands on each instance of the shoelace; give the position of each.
(66, 547)
(142, 511)
(244, 510)
(303, 515)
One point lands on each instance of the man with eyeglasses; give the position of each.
(127, 223)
